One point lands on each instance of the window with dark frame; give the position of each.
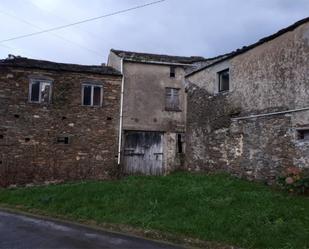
(40, 91)
(172, 72)
(224, 80)
(92, 95)
(172, 99)
(303, 134)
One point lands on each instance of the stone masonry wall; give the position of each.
(29, 152)
(258, 148)
(269, 78)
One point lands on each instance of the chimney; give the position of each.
(11, 57)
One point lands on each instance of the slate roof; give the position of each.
(246, 48)
(146, 57)
(201, 64)
(23, 62)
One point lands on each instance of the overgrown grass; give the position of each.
(209, 207)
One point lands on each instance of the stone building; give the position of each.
(248, 111)
(57, 121)
(154, 110)
(245, 112)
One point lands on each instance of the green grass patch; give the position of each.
(209, 207)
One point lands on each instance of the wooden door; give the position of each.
(143, 153)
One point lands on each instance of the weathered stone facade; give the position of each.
(266, 78)
(29, 149)
(146, 77)
(255, 130)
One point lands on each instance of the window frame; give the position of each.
(92, 85)
(219, 74)
(40, 80)
(172, 71)
(167, 108)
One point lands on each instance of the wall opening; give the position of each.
(303, 134)
(62, 140)
(40, 91)
(92, 95)
(172, 102)
(179, 143)
(172, 72)
(224, 80)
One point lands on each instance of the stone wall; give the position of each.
(29, 152)
(257, 148)
(271, 77)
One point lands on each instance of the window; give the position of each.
(172, 99)
(224, 80)
(40, 91)
(92, 95)
(172, 72)
(303, 134)
(179, 143)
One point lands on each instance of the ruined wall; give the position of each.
(29, 151)
(271, 77)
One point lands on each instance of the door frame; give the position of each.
(124, 142)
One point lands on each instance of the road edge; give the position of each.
(118, 229)
(98, 228)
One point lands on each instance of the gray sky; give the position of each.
(178, 27)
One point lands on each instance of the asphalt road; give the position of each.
(22, 232)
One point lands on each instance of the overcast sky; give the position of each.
(178, 27)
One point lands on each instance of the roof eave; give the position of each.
(254, 45)
(210, 65)
(117, 74)
(158, 62)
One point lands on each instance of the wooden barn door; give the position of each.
(143, 153)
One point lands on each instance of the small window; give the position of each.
(92, 95)
(179, 143)
(62, 140)
(303, 134)
(40, 91)
(172, 99)
(224, 81)
(172, 72)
